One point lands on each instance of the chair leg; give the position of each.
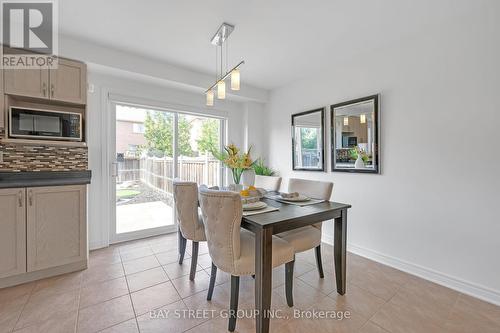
(194, 260)
(233, 307)
(182, 247)
(213, 276)
(319, 262)
(289, 282)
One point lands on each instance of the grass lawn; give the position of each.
(126, 194)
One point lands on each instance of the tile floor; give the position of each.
(139, 287)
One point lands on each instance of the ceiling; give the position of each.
(281, 41)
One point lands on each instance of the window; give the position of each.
(138, 128)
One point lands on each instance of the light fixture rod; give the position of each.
(225, 75)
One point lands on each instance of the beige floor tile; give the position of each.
(302, 267)
(319, 322)
(44, 307)
(372, 279)
(103, 291)
(169, 257)
(186, 287)
(146, 279)
(220, 324)
(473, 315)
(103, 315)
(154, 297)
(129, 326)
(173, 318)
(370, 327)
(106, 256)
(10, 294)
(426, 300)
(136, 253)
(63, 324)
(219, 302)
(165, 246)
(202, 248)
(221, 277)
(10, 310)
(205, 261)
(59, 284)
(175, 270)
(396, 319)
(359, 300)
(141, 264)
(326, 285)
(102, 273)
(304, 296)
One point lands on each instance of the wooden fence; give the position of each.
(158, 173)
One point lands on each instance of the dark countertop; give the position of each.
(44, 178)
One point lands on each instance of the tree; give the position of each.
(159, 134)
(209, 137)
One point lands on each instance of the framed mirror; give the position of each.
(355, 131)
(308, 140)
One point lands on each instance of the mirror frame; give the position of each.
(376, 154)
(322, 110)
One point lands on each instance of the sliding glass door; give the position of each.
(152, 148)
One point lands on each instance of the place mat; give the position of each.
(296, 203)
(260, 211)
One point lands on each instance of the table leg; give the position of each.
(339, 251)
(263, 278)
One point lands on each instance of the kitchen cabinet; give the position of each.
(12, 231)
(2, 103)
(41, 228)
(66, 83)
(27, 82)
(56, 226)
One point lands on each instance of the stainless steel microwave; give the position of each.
(40, 124)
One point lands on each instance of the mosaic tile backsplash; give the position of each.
(24, 157)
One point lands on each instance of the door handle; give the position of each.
(20, 198)
(30, 197)
(52, 90)
(44, 89)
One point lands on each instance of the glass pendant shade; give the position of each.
(221, 90)
(346, 121)
(235, 79)
(362, 118)
(210, 98)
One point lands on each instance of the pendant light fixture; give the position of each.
(210, 98)
(346, 121)
(362, 118)
(220, 41)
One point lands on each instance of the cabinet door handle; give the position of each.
(20, 198)
(44, 89)
(52, 90)
(30, 197)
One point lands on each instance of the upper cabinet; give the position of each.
(27, 82)
(67, 83)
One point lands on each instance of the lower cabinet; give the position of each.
(12, 231)
(41, 228)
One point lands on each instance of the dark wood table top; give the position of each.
(290, 217)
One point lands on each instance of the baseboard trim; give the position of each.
(466, 287)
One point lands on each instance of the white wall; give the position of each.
(433, 210)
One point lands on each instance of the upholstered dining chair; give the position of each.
(269, 183)
(232, 249)
(189, 220)
(309, 237)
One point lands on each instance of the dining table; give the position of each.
(289, 217)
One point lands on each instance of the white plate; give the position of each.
(300, 198)
(255, 205)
